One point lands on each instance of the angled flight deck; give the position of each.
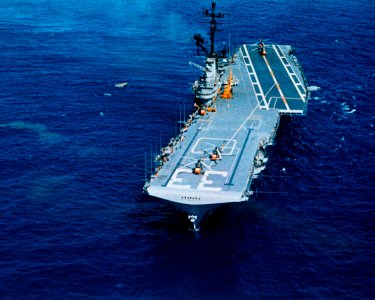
(276, 79)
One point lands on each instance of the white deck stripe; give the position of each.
(290, 73)
(256, 78)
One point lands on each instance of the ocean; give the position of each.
(74, 223)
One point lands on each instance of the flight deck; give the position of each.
(266, 86)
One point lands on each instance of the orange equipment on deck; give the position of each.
(227, 94)
(214, 156)
(262, 48)
(197, 170)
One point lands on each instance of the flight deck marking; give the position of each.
(182, 157)
(204, 184)
(193, 162)
(222, 140)
(269, 92)
(204, 181)
(174, 179)
(254, 124)
(204, 124)
(289, 111)
(256, 83)
(238, 159)
(243, 124)
(296, 84)
(247, 87)
(276, 83)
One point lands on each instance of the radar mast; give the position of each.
(213, 28)
(213, 24)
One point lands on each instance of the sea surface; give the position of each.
(74, 152)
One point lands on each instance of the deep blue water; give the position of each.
(74, 223)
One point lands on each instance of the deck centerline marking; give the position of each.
(276, 83)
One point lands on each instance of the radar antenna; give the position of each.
(213, 28)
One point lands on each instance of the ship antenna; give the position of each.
(213, 23)
(145, 166)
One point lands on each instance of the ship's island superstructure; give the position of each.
(222, 146)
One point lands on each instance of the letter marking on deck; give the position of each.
(174, 179)
(204, 181)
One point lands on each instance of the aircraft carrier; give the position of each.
(221, 148)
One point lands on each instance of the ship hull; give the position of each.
(195, 205)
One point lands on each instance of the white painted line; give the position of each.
(276, 83)
(242, 125)
(256, 78)
(270, 91)
(290, 73)
(232, 142)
